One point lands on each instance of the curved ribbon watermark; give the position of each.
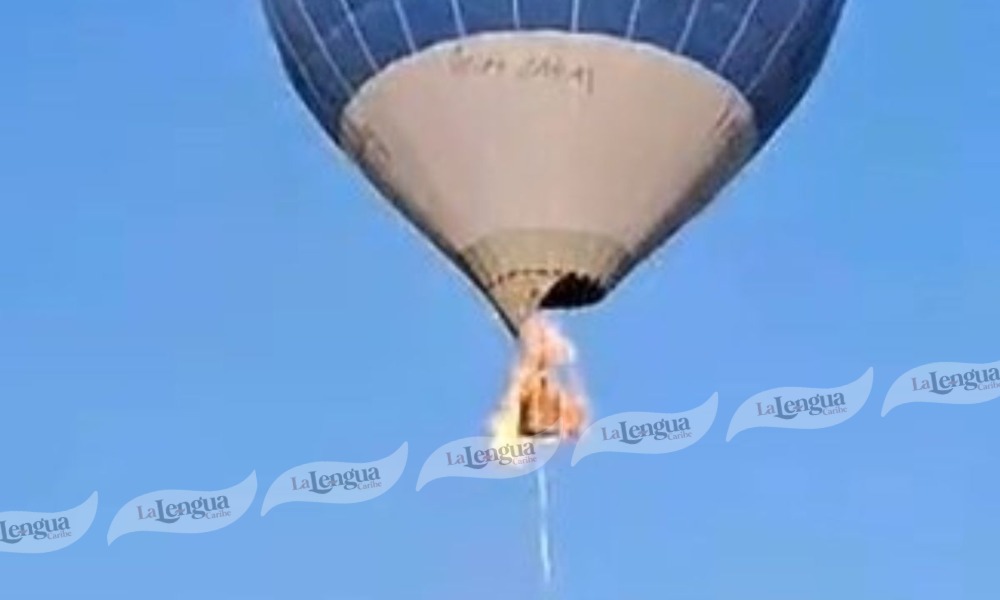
(802, 408)
(945, 383)
(646, 432)
(184, 511)
(37, 533)
(483, 458)
(336, 482)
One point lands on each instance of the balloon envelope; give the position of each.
(548, 146)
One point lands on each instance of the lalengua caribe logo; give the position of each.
(802, 408)
(38, 533)
(647, 433)
(336, 482)
(184, 511)
(521, 453)
(486, 458)
(945, 383)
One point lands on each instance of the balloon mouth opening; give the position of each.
(573, 290)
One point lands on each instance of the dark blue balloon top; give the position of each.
(768, 49)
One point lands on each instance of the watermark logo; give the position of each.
(945, 383)
(336, 482)
(647, 433)
(802, 408)
(38, 533)
(184, 511)
(486, 458)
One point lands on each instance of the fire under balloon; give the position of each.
(544, 402)
(544, 399)
(547, 148)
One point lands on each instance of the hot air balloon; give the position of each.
(547, 147)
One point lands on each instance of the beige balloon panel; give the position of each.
(528, 157)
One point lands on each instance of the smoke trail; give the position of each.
(544, 549)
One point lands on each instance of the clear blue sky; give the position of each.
(193, 286)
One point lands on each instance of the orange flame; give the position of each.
(540, 403)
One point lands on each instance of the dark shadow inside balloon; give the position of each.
(573, 291)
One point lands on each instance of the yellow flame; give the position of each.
(540, 404)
